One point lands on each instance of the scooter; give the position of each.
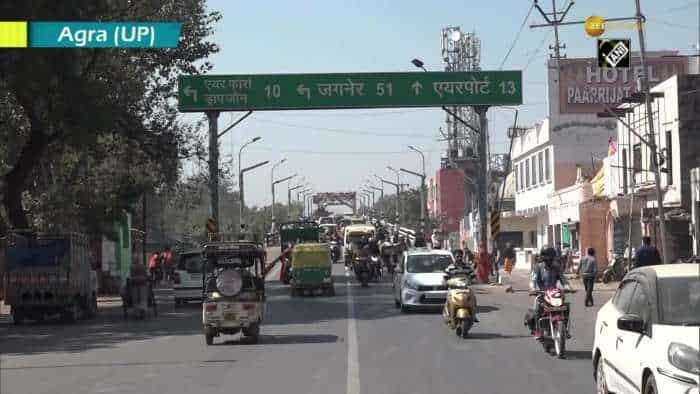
(459, 309)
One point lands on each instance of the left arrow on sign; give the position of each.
(416, 87)
(190, 92)
(303, 91)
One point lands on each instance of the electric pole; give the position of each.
(554, 19)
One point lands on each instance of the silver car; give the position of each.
(419, 280)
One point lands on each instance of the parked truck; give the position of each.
(46, 275)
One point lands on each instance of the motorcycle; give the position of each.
(362, 270)
(615, 270)
(335, 252)
(459, 309)
(388, 256)
(553, 321)
(375, 269)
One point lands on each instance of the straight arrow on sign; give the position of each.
(416, 87)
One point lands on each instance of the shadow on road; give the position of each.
(493, 335)
(201, 363)
(486, 308)
(578, 355)
(293, 339)
(107, 330)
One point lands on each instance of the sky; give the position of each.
(337, 150)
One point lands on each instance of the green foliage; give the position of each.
(90, 130)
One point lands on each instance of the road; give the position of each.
(355, 342)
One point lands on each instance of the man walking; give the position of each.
(588, 269)
(508, 263)
(647, 254)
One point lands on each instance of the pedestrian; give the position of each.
(483, 263)
(647, 254)
(469, 255)
(588, 269)
(153, 265)
(558, 249)
(168, 263)
(509, 263)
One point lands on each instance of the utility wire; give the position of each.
(517, 36)
(670, 24)
(690, 4)
(539, 49)
(342, 131)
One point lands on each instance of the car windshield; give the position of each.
(679, 300)
(192, 263)
(355, 238)
(423, 263)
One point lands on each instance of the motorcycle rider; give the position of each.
(460, 266)
(547, 273)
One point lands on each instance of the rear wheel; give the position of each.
(72, 314)
(559, 336)
(17, 316)
(464, 326)
(331, 291)
(252, 333)
(92, 306)
(209, 339)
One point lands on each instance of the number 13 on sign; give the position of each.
(507, 87)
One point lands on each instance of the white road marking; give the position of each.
(353, 379)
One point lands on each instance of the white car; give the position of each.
(187, 281)
(419, 279)
(647, 335)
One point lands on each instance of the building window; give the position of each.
(533, 238)
(546, 165)
(517, 181)
(540, 164)
(534, 170)
(636, 158)
(669, 157)
(527, 173)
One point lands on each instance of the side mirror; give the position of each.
(631, 323)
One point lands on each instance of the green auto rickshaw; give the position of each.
(311, 269)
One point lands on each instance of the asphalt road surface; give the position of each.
(355, 342)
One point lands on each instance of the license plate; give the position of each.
(434, 296)
(229, 316)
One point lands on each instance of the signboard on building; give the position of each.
(584, 87)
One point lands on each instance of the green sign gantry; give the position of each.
(197, 93)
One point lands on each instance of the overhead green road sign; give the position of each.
(357, 90)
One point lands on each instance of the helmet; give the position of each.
(548, 254)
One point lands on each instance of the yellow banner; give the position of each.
(13, 34)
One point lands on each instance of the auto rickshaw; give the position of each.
(234, 290)
(311, 269)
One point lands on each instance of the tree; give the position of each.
(90, 130)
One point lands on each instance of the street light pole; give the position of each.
(272, 186)
(241, 200)
(398, 194)
(289, 198)
(644, 79)
(423, 197)
(241, 177)
(422, 180)
(381, 197)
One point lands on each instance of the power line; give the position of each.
(537, 52)
(342, 131)
(517, 36)
(670, 24)
(690, 4)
